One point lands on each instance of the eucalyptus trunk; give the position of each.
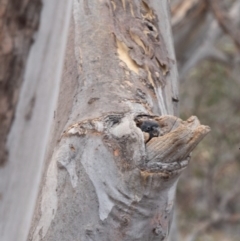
(105, 180)
(106, 177)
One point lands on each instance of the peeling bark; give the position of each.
(140, 45)
(104, 181)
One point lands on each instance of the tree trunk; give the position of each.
(116, 149)
(27, 141)
(104, 180)
(18, 23)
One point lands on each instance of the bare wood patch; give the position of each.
(139, 41)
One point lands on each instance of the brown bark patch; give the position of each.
(140, 44)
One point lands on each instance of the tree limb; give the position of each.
(225, 22)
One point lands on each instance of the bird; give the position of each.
(150, 127)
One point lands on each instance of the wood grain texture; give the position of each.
(177, 141)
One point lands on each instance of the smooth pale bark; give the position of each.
(27, 141)
(102, 181)
(19, 21)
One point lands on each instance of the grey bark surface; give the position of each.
(27, 141)
(18, 25)
(102, 180)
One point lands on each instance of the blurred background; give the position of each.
(207, 44)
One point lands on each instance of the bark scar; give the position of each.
(170, 150)
(140, 44)
(156, 144)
